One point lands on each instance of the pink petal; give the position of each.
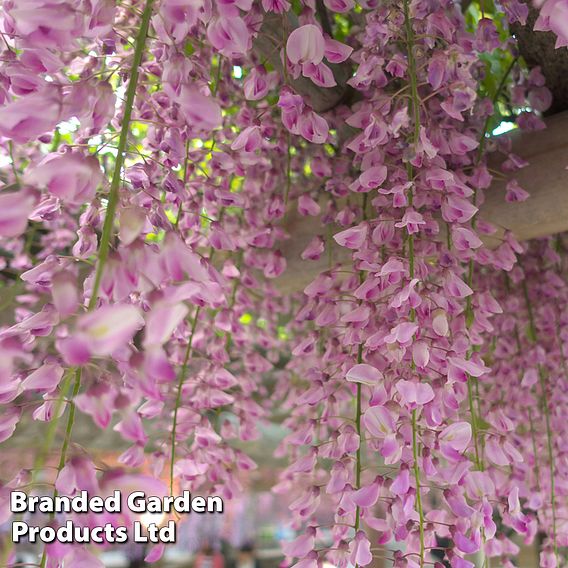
(379, 421)
(161, 322)
(365, 374)
(336, 52)
(110, 327)
(156, 553)
(45, 378)
(305, 45)
(14, 211)
(351, 238)
(401, 483)
(454, 440)
(131, 428)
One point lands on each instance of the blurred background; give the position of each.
(249, 533)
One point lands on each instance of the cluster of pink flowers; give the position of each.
(150, 157)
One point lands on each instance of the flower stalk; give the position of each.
(104, 245)
(415, 107)
(542, 377)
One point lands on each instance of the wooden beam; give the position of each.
(544, 213)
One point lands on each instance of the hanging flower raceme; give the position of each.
(151, 154)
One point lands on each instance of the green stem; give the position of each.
(358, 462)
(65, 446)
(415, 104)
(184, 179)
(469, 317)
(358, 413)
(183, 371)
(52, 428)
(104, 244)
(288, 168)
(181, 380)
(13, 162)
(416, 468)
(474, 423)
(535, 451)
(533, 337)
(123, 140)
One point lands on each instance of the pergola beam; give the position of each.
(544, 213)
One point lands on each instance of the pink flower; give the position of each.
(32, 115)
(310, 561)
(292, 106)
(414, 394)
(78, 474)
(465, 239)
(179, 260)
(102, 332)
(131, 428)
(352, 238)
(200, 112)
(370, 179)
(97, 402)
(176, 17)
(72, 177)
(456, 287)
(379, 421)
(229, 36)
(401, 483)
(132, 221)
(308, 206)
(248, 140)
(257, 84)
(340, 6)
(440, 322)
(459, 368)
(301, 546)
(454, 440)
(402, 333)
(554, 17)
(162, 320)
(14, 211)
(45, 378)
(320, 74)
(457, 209)
(314, 250)
(155, 554)
(8, 421)
(64, 293)
(421, 354)
(364, 374)
(515, 192)
(305, 45)
(368, 495)
(335, 51)
(468, 545)
(360, 550)
(277, 6)
(412, 220)
(313, 127)
(189, 468)
(53, 25)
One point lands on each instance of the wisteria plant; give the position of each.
(152, 153)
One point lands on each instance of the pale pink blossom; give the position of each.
(305, 44)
